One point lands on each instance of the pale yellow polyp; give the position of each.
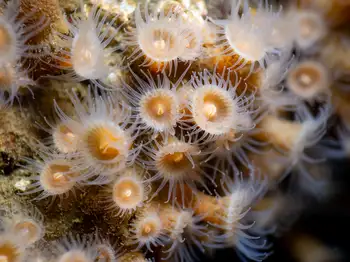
(159, 44)
(147, 229)
(178, 156)
(127, 193)
(160, 110)
(210, 110)
(58, 177)
(305, 79)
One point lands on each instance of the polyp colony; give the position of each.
(204, 114)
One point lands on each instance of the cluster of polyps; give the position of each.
(92, 147)
(204, 222)
(14, 36)
(160, 142)
(174, 230)
(22, 234)
(97, 145)
(21, 229)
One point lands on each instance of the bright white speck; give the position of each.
(22, 184)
